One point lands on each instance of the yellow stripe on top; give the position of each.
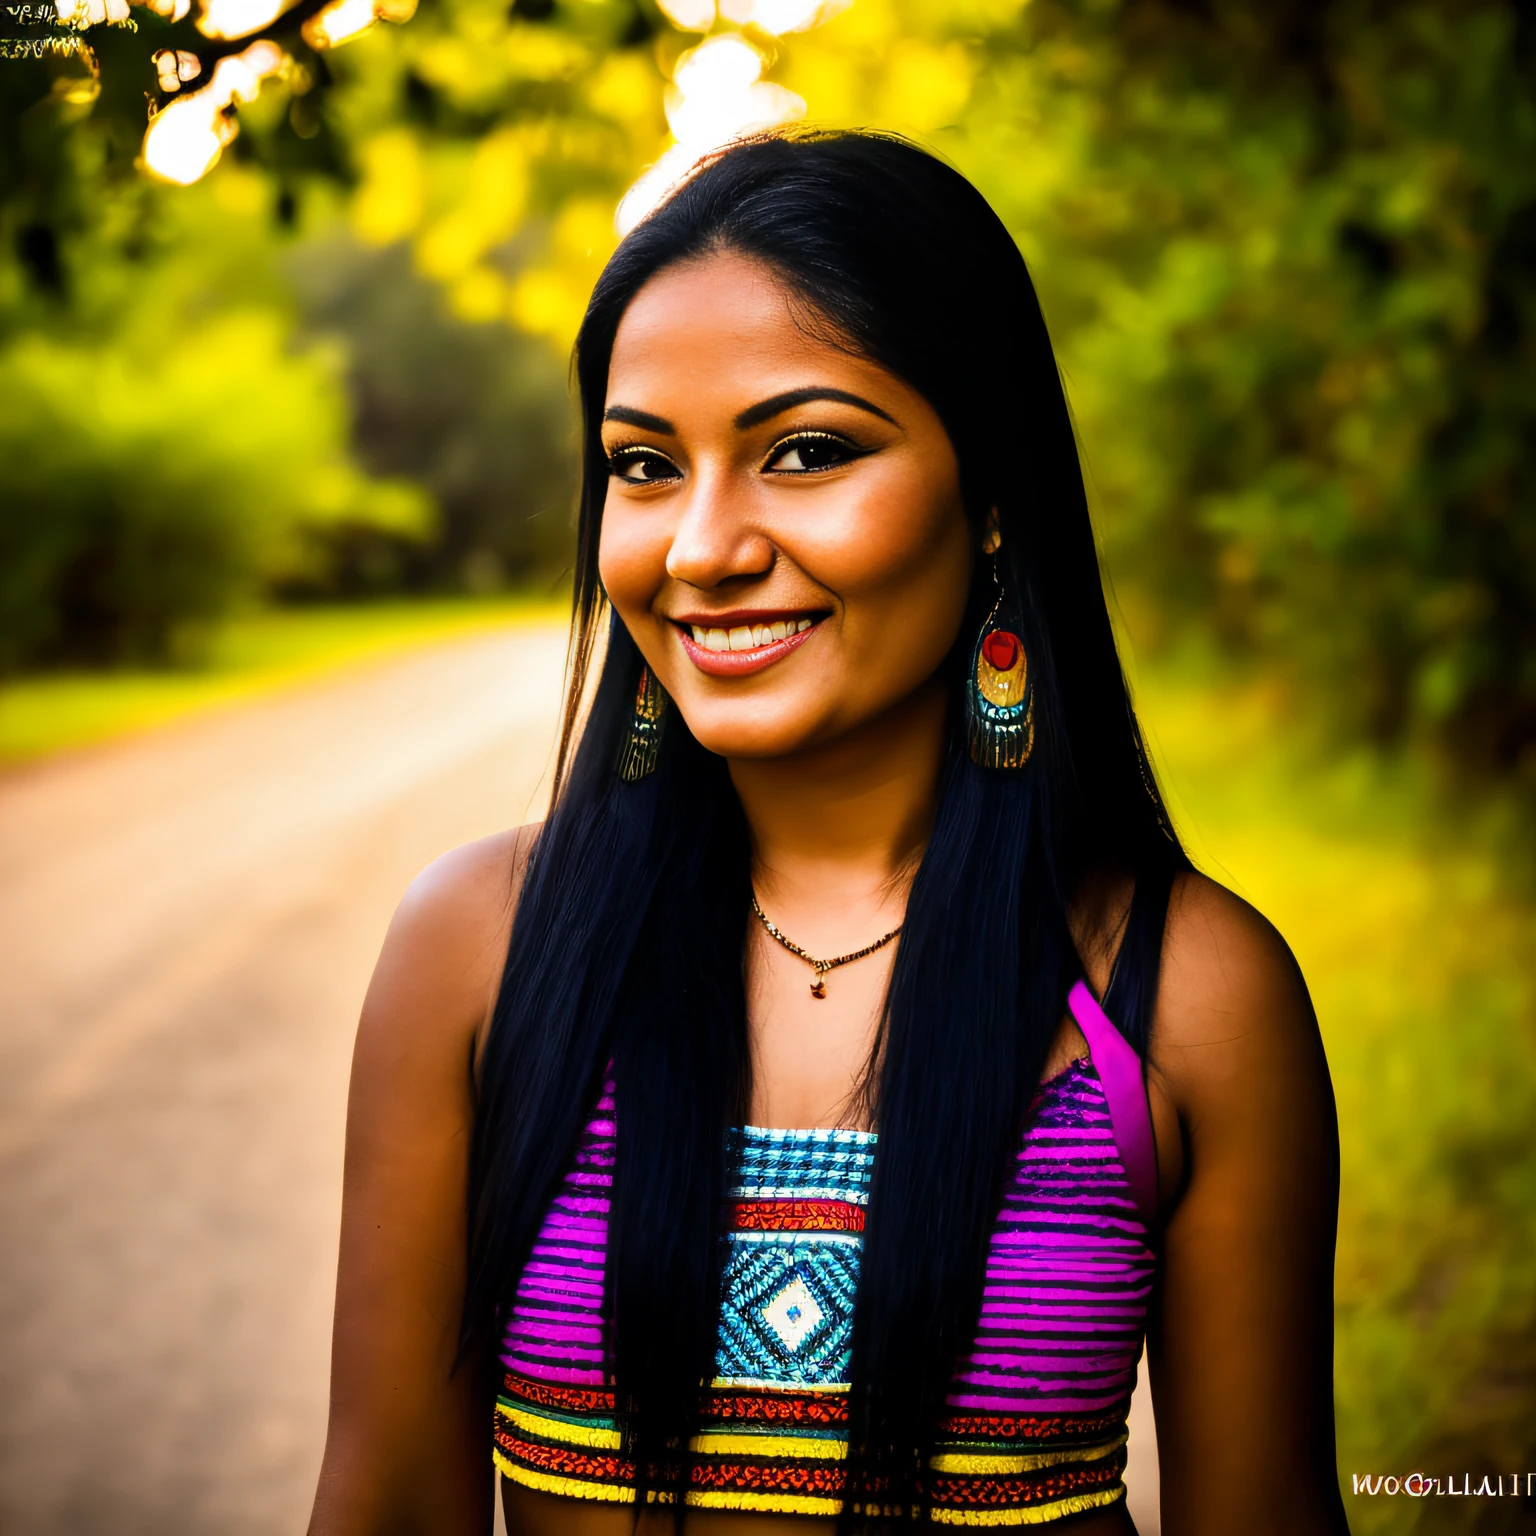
(763, 1503)
(715, 1443)
(567, 1487)
(561, 1430)
(1011, 1466)
(1031, 1514)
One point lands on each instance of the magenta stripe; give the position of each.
(1120, 1072)
(570, 1375)
(562, 1350)
(561, 1279)
(1032, 1402)
(547, 1314)
(565, 1271)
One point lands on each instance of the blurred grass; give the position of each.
(1415, 936)
(42, 714)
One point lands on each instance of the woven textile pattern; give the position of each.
(1036, 1429)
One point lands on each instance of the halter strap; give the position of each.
(1120, 1071)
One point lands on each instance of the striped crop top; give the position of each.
(1036, 1413)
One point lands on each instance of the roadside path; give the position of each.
(187, 925)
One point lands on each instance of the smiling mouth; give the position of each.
(746, 637)
(734, 650)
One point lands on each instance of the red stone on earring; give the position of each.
(1001, 649)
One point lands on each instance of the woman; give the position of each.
(808, 1180)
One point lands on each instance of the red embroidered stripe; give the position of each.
(1060, 1429)
(549, 1394)
(818, 1479)
(796, 1216)
(1043, 1487)
(823, 1409)
(564, 1460)
(812, 1409)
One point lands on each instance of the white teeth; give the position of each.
(747, 637)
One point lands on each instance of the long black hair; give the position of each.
(628, 941)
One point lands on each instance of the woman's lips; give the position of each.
(753, 658)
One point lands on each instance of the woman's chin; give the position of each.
(755, 733)
(756, 746)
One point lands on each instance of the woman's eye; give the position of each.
(809, 452)
(641, 466)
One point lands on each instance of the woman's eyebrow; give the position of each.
(755, 415)
(633, 418)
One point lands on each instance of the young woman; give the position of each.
(805, 1125)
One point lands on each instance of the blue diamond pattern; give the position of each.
(758, 1271)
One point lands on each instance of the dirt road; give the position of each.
(187, 924)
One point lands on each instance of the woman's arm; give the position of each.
(408, 1447)
(1242, 1341)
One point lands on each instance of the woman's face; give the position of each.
(783, 532)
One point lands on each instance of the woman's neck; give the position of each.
(842, 826)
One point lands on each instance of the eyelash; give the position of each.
(624, 454)
(850, 450)
(635, 453)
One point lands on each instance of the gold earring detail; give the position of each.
(642, 741)
(999, 696)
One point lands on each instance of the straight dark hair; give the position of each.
(628, 942)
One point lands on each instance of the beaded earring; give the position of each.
(999, 700)
(642, 741)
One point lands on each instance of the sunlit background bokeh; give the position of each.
(287, 292)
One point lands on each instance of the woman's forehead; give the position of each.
(725, 327)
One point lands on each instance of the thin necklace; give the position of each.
(821, 967)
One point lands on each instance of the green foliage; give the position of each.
(165, 453)
(1290, 257)
(1413, 946)
(131, 511)
(476, 413)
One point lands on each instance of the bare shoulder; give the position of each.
(404, 1449)
(1233, 1014)
(440, 966)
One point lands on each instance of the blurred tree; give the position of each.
(476, 413)
(131, 515)
(1288, 252)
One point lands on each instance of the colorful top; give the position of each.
(1037, 1408)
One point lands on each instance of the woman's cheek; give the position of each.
(631, 561)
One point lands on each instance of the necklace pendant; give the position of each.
(819, 988)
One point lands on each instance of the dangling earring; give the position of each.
(642, 741)
(999, 700)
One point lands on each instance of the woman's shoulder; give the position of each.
(474, 885)
(1233, 1018)
(440, 967)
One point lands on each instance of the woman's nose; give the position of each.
(716, 540)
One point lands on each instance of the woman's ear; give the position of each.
(991, 537)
